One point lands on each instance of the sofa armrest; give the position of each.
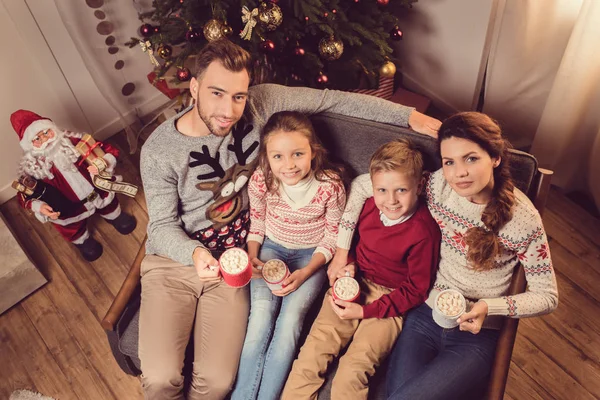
(506, 341)
(114, 313)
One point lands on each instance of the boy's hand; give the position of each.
(206, 265)
(292, 282)
(338, 262)
(346, 309)
(348, 270)
(473, 320)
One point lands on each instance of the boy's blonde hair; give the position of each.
(399, 155)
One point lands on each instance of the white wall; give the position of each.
(25, 85)
(441, 52)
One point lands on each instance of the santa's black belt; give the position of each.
(90, 197)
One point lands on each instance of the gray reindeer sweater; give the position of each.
(194, 183)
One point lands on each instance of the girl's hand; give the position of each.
(338, 262)
(348, 270)
(346, 309)
(473, 320)
(292, 283)
(256, 273)
(47, 211)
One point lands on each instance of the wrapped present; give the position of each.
(162, 85)
(385, 89)
(91, 151)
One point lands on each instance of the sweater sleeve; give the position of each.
(541, 295)
(267, 99)
(257, 190)
(334, 208)
(360, 191)
(422, 263)
(165, 230)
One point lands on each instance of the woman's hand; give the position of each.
(346, 309)
(348, 270)
(473, 320)
(292, 282)
(256, 263)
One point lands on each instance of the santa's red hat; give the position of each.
(27, 124)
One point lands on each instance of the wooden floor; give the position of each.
(52, 341)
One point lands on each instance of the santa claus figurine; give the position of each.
(52, 159)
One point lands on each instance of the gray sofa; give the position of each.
(350, 141)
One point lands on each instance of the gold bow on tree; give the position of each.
(147, 48)
(249, 18)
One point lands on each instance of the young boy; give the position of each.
(395, 258)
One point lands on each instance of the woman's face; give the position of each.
(468, 169)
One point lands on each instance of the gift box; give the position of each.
(385, 89)
(162, 86)
(91, 151)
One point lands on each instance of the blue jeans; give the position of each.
(274, 327)
(430, 362)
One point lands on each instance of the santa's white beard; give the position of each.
(59, 152)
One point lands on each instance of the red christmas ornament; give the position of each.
(322, 79)
(267, 46)
(326, 15)
(396, 33)
(306, 19)
(383, 2)
(156, 29)
(146, 30)
(183, 74)
(334, 11)
(192, 35)
(299, 51)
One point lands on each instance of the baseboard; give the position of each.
(115, 126)
(7, 193)
(414, 85)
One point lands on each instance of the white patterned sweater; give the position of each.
(523, 240)
(302, 216)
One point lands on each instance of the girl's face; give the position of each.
(468, 169)
(289, 156)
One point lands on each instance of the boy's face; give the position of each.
(396, 193)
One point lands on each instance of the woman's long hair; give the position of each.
(483, 244)
(292, 121)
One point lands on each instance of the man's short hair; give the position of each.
(399, 155)
(229, 54)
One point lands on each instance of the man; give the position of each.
(52, 159)
(195, 168)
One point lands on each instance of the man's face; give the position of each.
(220, 97)
(43, 138)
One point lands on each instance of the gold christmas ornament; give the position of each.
(270, 15)
(227, 31)
(213, 30)
(164, 51)
(331, 48)
(387, 70)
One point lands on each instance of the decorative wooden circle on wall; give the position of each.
(110, 40)
(128, 89)
(94, 3)
(113, 50)
(105, 28)
(99, 14)
(119, 64)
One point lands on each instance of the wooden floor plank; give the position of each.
(21, 336)
(575, 215)
(521, 386)
(580, 273)
(81, 322)
(546, 373)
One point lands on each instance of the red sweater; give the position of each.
(403, 257)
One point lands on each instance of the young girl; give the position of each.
(488, 226)
(296, 201)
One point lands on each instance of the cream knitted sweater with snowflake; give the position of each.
(523, 240)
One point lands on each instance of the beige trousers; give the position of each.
(372, 340)
(174, 302)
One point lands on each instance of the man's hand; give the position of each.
(346, 309)
(424, 124)
(47, 211)
(206, 265)
(339, 261)
(473, 320)
(348, 270)
(292, 282)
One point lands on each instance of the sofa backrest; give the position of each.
(352, 141)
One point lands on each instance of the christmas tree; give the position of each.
(331, 43)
